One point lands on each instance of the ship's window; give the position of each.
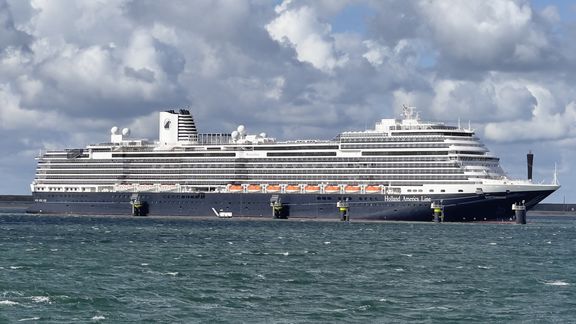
(460, 190)
(431, 190)
(442, 190)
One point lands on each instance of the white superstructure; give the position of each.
(398, 156)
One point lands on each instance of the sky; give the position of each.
(70, 70)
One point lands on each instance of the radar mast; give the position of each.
(409, 113)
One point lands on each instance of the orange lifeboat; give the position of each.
(235, 188)
(332, 189)
(373, 189)
(273, 188)
(312, 188)
(254, 188)
(292, 188)
(352, 189)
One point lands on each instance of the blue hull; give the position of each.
(457, 208)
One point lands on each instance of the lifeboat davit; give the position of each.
(235, 188)
(312, 188)
(352, 189)
(254, 188)
(273, 188)
(292, 188)
(332, 189)
(373, 189)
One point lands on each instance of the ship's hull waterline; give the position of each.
(377, 207)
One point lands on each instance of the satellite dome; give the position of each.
(263, 135)
(235, 135)
(126, 131)
(114, 130)
(241, 129)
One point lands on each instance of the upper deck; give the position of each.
(395, 153)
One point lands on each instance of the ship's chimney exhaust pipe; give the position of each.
(530, 163)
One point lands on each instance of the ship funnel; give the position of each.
(530, 163)
(177, 127)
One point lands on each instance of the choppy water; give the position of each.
(120, 270)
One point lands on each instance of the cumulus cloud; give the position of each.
(301, 29)
(10, 36)
(69, 70)
(546, 122)
(489, 100)
(485, 33)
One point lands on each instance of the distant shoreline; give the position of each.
(15, 198)
(15, 201)
(543, 209)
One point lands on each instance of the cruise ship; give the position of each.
(403, 169)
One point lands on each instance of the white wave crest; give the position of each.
(173, 274)
(8, 302)
(28, 319)
(557, 283)
(41, 299)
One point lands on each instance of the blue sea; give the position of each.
(64, 269)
